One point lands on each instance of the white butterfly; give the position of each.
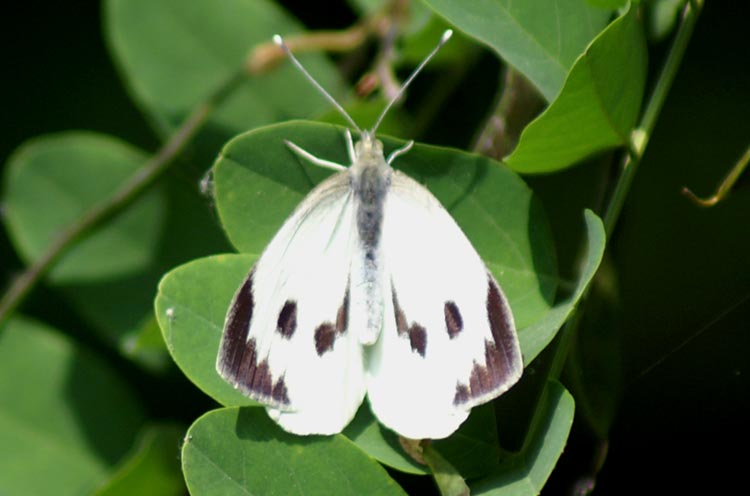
(370, 288)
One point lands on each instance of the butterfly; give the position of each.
(369, 288)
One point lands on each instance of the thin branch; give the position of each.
(726, 185)
(518, 104)
(267, 55)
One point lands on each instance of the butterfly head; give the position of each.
(368, 148)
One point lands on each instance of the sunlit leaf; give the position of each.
(241, 451)
(598, 106)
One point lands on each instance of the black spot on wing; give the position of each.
(286, 324)
(326, 333)
(453, 320)
(418, 339)
(238, 356)
(325, 336)
(415, 332)
(501, 357)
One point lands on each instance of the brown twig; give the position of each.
(726, 185)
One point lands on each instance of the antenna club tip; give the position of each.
(277, 39)
(446, 35)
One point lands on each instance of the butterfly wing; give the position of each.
(448, 342)
(286, 342)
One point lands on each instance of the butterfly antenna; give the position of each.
(280, 42)
(443, 39)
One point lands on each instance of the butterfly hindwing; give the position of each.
(448, 342)
(287, 341)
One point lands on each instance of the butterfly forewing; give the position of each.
(287, 341)
(448, 341)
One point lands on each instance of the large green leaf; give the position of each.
(241, 451)
(541, 39)
(190, 306)
(473, 450)
(259, 181)
(380, 443)
(66, 417)
(52, 181)
(173, 54)
(598, 106)
(525, 473)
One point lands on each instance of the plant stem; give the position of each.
(726, 185)
(631, 161)
(642, 134)
(123, 197)
(518, 104)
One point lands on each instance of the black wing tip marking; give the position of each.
(416, 333)
(238, 358)
(254, 378)
(503, 363)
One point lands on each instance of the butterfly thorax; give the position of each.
(371, 177)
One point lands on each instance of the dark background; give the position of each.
(683, 305)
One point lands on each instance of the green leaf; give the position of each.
(190, 305)
(608, 4)
(473, 449)
(380, 443)
(525, 473)
(538, 335)
(241, 451)
(153, 467)
(259, 182)
(173, 54)
(598, 106)
(52, 181)
(66, 418)
(539, 41)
